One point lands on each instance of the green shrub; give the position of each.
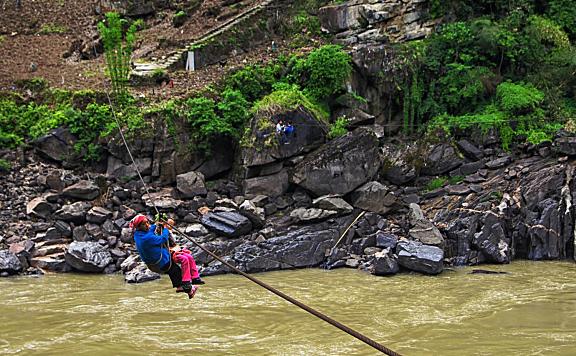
(325, 70)
(338, 128)
(254, 82)
(436, 183)
(518, 98)
(204, 122)
(234, 109)
(287, 100)
(5, 166)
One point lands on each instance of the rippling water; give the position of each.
(531, 311)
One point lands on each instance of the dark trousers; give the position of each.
(175, 274)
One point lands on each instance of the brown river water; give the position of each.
(530, 311)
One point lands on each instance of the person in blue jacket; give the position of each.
(154, 251)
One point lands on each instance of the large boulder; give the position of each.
(297, 248)
(418, 257)
(373, 196)
(83, 190)
(264, 146)
(227, 223)
(9, 262)
(338, 18)
(400, 162)
(118, 169)
(422, 229)
(88, 256)
(341, 165)
(273, 185)
(442, 158)
(75, 213)
(191, 184)
(58, 145)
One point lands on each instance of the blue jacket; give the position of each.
(151, 247)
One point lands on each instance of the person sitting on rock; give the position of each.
(154, 251)
(184, 257)
(289, 131)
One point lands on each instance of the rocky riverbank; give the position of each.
(427, 206)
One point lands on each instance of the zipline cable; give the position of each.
(271, 289)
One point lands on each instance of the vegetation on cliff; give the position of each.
(505, 65)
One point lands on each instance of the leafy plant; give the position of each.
(52, 28)
(436, 183)
(325, 70)
(118, 47)
(338, 128)
(5, 166)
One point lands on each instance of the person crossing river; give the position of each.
(153, 248)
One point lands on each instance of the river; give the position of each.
(530, 311)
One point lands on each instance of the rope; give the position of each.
(299, 304)
(284, 296)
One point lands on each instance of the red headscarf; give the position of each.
(137, 220)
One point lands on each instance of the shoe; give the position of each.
(186, 287)
(192, 292)
(197, 281)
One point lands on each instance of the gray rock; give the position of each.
(425, 232)
(83, 190)
(417, 257)
(341, 165)
(256, 215)
(126, 235)
(163, 200)
(140, 274)
(499, 162)
(196, 230)
(130, 263)
(303, 215)
(373, 196)
(118, 169)
(469, 150)
(9, 262)
(88, 256)
(58, 145)
(191, 184)
(492, 240)
(386, 240)
(272, 185)
(63, 228)
(39, 207)
(384, 265)
(441, 159)
(228, 224)
(74, 213)
(80, 234)
(98, 215)
(333, 203)
(566, 145)
(338, 18)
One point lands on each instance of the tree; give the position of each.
(118, 47)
